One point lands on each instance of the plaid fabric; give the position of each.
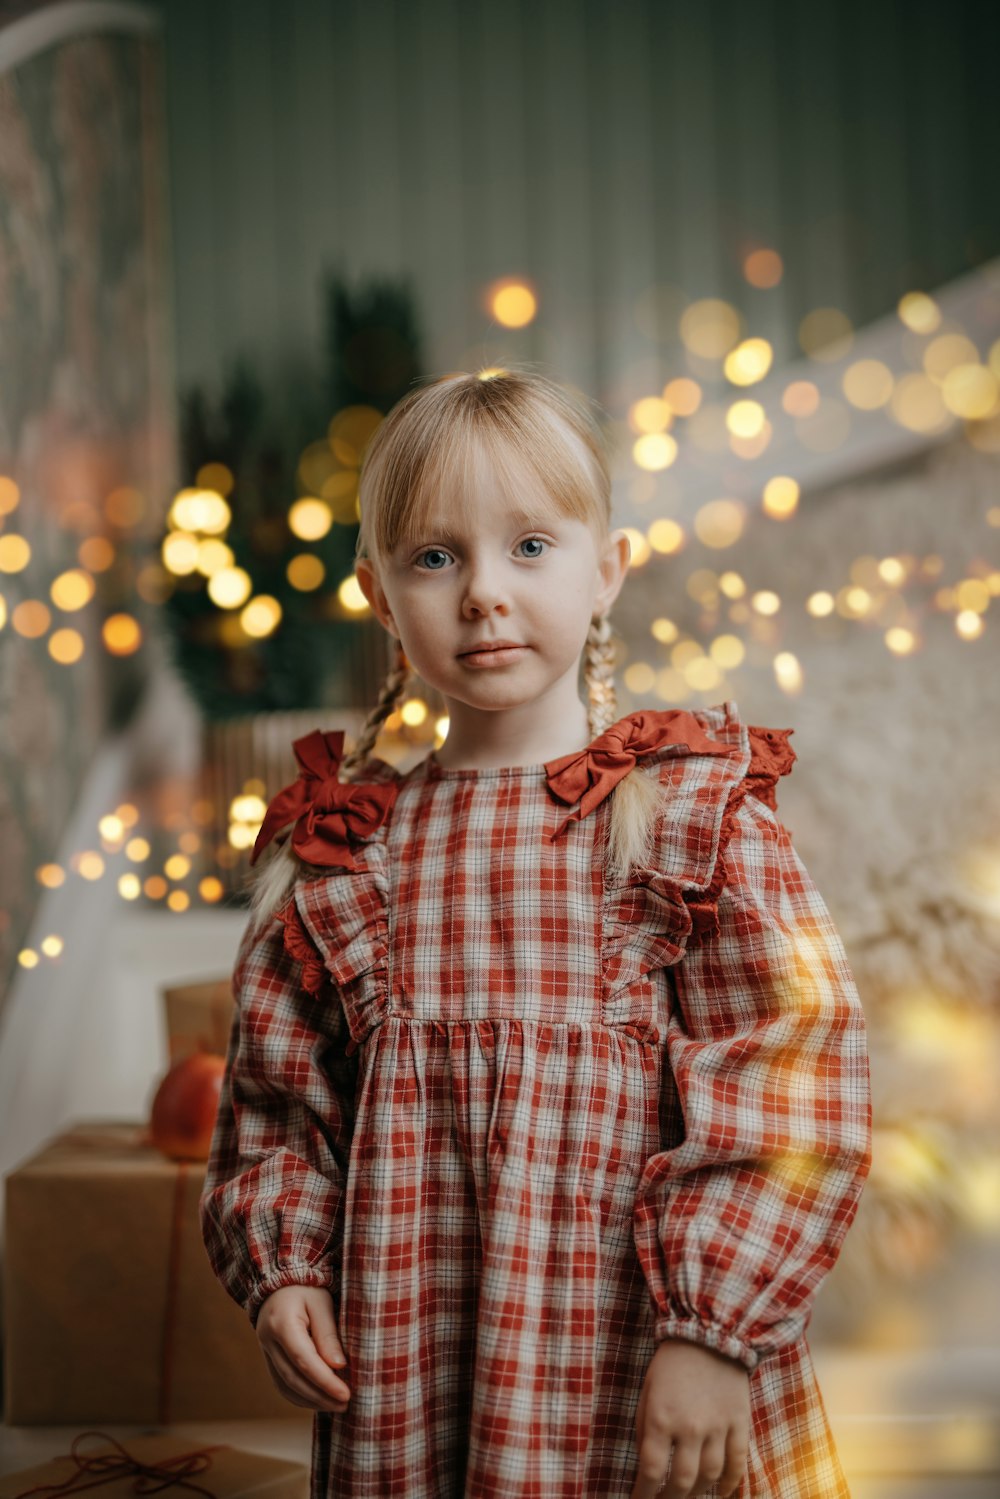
(524, 1124)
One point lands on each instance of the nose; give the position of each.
(484, 589)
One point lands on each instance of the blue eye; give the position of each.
(432, 551)
(528, 539)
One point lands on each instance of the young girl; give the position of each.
(546, 1108)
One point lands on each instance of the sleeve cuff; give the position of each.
(289, 1274)
(708, 1335)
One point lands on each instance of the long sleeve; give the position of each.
(270, 1206)
(739, 1222)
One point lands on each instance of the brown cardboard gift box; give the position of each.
(198, 1017)
(222, 1471)
(112, 1310)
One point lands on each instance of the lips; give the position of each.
(491, 645)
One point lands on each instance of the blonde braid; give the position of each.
(638, 798)
(278, 874)
(392, 690)
(599, 675)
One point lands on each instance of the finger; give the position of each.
(654, 1460)
(298, 1346)
(713, 1462)
(299, 1389)
(737, 1456)
(324, 1331)
(685, 1462)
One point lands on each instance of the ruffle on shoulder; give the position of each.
(299, 945)
(671, 902)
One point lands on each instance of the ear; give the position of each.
(613, 564)
(368, 582)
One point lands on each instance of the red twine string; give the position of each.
(150, 1478)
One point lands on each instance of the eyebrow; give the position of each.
(518, 517)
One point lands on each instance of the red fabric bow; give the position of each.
(327, 812)
(587, 776)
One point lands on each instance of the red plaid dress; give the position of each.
(524, 1123)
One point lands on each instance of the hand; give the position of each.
(297, 1330)
(698, 1401)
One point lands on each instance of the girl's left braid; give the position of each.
(392, 690)
(599, 675)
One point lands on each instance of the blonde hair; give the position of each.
(526, 426)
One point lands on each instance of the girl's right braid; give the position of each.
(599, 675)
(392, 690)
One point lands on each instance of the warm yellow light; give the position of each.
(88, 864)
(9, 495)
(28, 958)
(727, 651)
(211, 889)
(52, 945)
(720, 523)
(350, 596)
(820, 604)
(968, 625)
(129, 887)
(781, 497)
(176, 867)
(665, 536)
(201, 510)
(179, 551)
(972, 593)
(640, 548)
(867, 384)
(917, 405)
(765, 601)
(947, 351)
(900, 641)
(654, 451)
(749, 361)
(413, 712)
(664, 630)
(215, 476)
(230, 587)
(891, 571)
(155, 887)
(745, 418)
(65, 646)
(122, 634)
(15, 553)
(788, 672)
(651, 414)
(111, 828)
(682, 395)
(178, 900)
(72, 590)
(248, 808)
(31, 618)
(261, 616)
(309, 519)
(919, 312)
(970, 391)
(513, 304)
(639, 677)
(213, 556)
(732, 585)
(709, 328)
(305, 572)
(137, 849)
(51, 876)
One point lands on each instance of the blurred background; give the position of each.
(765, 237)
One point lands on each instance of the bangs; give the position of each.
(444, 443)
